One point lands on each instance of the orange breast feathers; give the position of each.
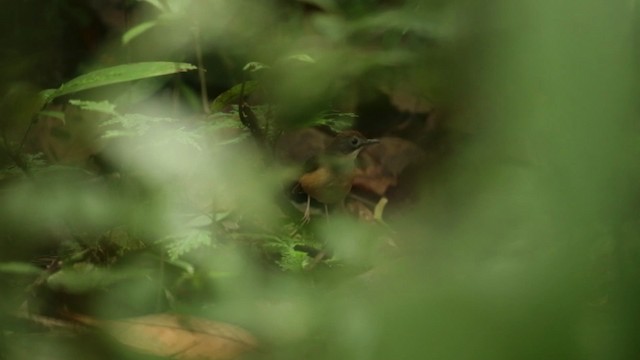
(327, 186)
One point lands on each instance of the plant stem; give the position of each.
(201, 71)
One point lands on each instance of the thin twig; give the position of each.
(26, 134)
(15, 155)
(316, 260)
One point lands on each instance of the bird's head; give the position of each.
(349, 143)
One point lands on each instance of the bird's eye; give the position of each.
(355, 141)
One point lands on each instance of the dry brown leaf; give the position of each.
(179, 337)
(383, 163)
(374, 179)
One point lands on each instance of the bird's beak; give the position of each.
(364, 144)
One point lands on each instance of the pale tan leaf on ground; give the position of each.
(181, 337)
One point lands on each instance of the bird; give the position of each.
(327, 177)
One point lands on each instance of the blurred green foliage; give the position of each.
(523, 244)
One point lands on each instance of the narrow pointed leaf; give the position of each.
(117, 74)
(137, 31)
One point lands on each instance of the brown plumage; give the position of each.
(328, 176)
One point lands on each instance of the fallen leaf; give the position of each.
(384, 162)
(178, 337)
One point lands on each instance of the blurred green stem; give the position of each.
(201, 71)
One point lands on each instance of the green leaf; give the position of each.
(187, 137)
(117, 74)
(135, 121)
(47, 95)
(301, 57)
(179, 245)
(128, 125)
(20, 268)
(54, 114)
(336, 121)
(231, 96)
(104, 107)
(109, 134)
(157, 4)
(254, 66)
(220, 120)
(200, 221)
(137, 31)
(84, 277)
(222, 215)
(185, 266)
(293, 260)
